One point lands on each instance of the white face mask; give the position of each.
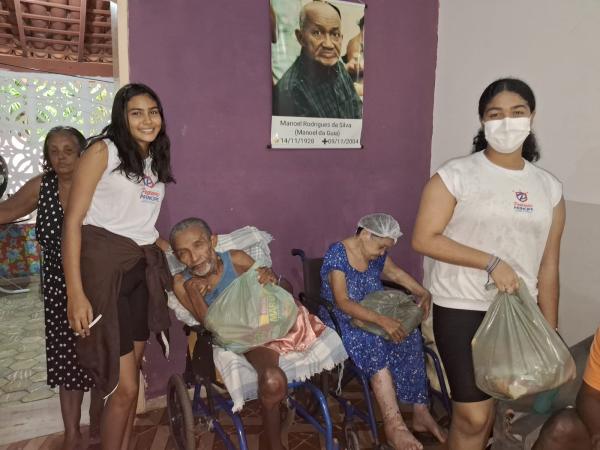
(507, 135)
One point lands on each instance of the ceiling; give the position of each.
(72, 37)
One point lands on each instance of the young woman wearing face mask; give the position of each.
(492, 216)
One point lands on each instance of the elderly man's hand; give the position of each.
(266, 275)
(196, 287)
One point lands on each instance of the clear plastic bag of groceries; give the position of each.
(248, 314)
(391, 303)
(516, 352)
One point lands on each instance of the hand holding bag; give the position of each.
(516, 352)
(248, 314)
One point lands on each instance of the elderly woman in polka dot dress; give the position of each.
(48, 193)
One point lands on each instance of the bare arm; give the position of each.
(23, 202)
(337, 280)
(242, 262)
(87, 175)
(394, 273)
(548, 280)
(191, 295)
(162, 244)
(435, 212)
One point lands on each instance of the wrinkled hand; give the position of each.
(266, 275)
(424, 302)
(79, 314)
(505, 278)
(392, 327)
(195, 287)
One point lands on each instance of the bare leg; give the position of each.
(396, 431)
(564, 430)
(588, 409)
(70, 408)
(96, 407)
(118, 406)
(423, 421)
(138, 351)
(272, 389)
(471, 425)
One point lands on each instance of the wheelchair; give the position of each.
(200, 374)
(311, 299)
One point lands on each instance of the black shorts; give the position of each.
(133, 308)
(454, 329)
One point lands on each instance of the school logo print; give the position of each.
(148, 195)
(522, 205)
(521, 196)
(148, 182)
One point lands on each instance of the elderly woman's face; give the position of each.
(196, 250)
(375, 246)
(63, 153)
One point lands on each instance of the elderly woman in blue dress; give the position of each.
(351, 269)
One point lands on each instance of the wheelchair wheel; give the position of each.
(351, 438)
(181, 418)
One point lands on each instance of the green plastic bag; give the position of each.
(394, 304)
(248, 314)
(516, 352)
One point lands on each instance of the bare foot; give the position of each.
(399, 437)
(423, 422)
(94, 436)
(72, 441)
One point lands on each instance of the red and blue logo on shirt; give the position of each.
(148, 181)
(521, 204)
(521, 196)
(148, 195)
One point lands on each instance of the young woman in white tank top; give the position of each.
(118, 186)
(490, 215)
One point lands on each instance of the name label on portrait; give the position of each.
(313, 132)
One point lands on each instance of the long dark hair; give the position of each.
(531, 151)
(117, 131)
(79, 139)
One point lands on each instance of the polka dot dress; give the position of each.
(62, 366)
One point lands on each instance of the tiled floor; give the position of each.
(152, 432)
(22, 348)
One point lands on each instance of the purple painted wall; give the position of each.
(210, 64)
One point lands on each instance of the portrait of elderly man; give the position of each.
(318, 84)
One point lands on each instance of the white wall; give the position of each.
(554, 45)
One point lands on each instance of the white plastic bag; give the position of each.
(248, 314)
(516, 352)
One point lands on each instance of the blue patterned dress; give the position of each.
(370, 352)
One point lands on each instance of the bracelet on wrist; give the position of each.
(492, 264)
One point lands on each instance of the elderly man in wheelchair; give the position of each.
(207, 275)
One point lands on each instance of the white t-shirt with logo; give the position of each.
(500, 211)
(126, 207)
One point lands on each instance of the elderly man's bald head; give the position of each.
(317, 7)
(320, 33)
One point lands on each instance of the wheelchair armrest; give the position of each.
(298, 252)
(285, 284)
(393, 285)
(199, 361)
(313, 303)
